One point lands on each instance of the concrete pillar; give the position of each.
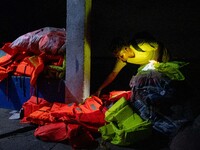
(77, 50)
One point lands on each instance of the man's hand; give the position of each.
(97, 93)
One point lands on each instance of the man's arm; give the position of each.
(108, 80)
(118, 67)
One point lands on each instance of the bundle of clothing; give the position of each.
(155, 96)
(38, 52)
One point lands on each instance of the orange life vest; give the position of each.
(33, 104)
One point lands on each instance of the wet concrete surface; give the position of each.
(15, 135)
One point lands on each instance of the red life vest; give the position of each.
(41, 116)
(73, 122)
(80, 138)
(116, 95)
(6, 54)
(63, 112)
(33, 104)
(53, 132)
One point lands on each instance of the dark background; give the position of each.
(172, 22)
(175, 23)
(21, 16)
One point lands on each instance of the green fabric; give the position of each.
(122, 115)
(107, 132)
(109, 114)
(124, 126)
(57, 71)
(59, 68)
(170, 69)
